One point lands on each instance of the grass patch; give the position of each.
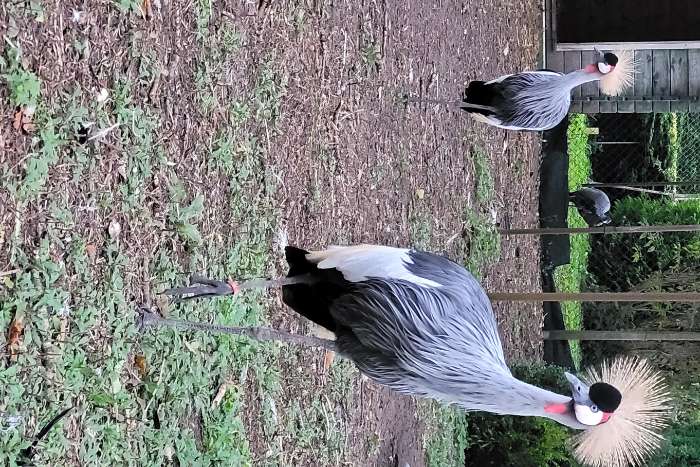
(669, 128)
(483, 245)
(446, 434)
(484, 180)
(568, 278)
(143, 399)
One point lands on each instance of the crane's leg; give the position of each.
(202, 287)
(145, 319)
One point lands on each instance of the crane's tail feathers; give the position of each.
(469, 107)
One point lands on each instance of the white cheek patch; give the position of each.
(604, 68)
(585, 415)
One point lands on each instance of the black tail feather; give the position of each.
(479, 93)
(312, 300)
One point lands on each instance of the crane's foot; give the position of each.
(202, 287)
(235, 286)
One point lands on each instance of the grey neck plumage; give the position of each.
(515, 397)
(577, 78)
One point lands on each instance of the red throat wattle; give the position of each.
(592, 68)
(556, 408)
(606, 417)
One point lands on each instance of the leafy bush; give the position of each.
(496, 440)
(448, 437)
(626, 261)
(682, 448)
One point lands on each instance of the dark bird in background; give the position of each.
(421, 324)
(593, 205)
(540, 100)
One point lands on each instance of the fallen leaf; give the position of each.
(103, 95)
(14, 335)
(23, 119)
(91, 250)
(64, 329)
(328, 359)
(192, 346)
(17, 123)
(221, 393)
(114, 229)
(77, 16)
(12, 29)
(140, 364)
(146, 9)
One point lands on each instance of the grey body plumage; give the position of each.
(530, 100)
(593, 205)
(439, 341)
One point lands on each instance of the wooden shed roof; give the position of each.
(667, 79)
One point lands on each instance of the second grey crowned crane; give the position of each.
(593, 205)
(422, 325)
(540, 100)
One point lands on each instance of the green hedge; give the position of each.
(496, 440)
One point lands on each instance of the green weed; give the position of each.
(484, 180)
(570, 277)
(483, 245)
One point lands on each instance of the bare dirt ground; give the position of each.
(351, 161)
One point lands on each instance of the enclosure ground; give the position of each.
(218, 131)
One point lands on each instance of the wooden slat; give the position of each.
(555, 61)
(661, 79)
(591, 107)
(572, 62)
(626, 106)
(589, 89)
(643, 79)
(608, 107)
(679, 79)
(694, 73)
(663, 45)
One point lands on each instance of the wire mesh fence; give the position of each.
(653, 161)
(634, 148)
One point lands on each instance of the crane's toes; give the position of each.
(235, 287)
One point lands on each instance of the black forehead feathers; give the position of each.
(605, 396)
(610, 58)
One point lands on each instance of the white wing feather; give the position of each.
(361, 262)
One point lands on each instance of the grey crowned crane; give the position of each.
(422, 325)
(593, 205)
(540, 100)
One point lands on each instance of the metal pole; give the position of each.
(607, 229)
(641, 184)
(621, 336)
(692, 297)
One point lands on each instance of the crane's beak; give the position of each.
(601, 55)
(579, 390)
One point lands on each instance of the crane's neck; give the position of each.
(507, 395)
(577, 78)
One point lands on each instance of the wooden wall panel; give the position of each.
(661, 78)
(643, 79)
(590, 89)
(591, 21)
(572, 62)
(679, 79)
(694, 78)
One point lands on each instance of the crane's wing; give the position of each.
(542, 72)
(584, 203)
(362, 262)
(531, 100)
